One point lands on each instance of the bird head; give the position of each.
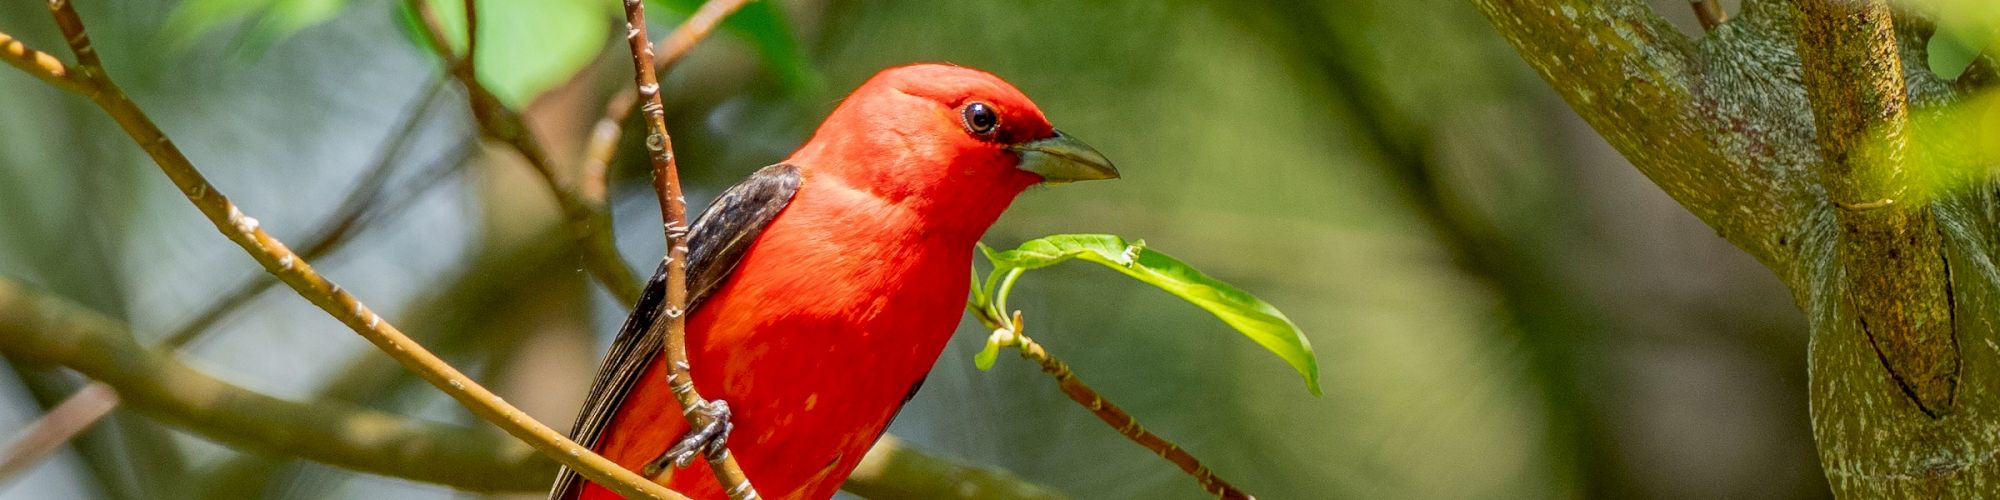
(946, 137)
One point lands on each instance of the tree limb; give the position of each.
(1897, 275)
(894, 471)
(1710, 124)
(41, 329)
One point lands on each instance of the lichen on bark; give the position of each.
(1782, 129)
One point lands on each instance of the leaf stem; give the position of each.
(1116, 417)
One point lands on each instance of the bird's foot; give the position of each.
(710, 441)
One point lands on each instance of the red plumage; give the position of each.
(849, 294)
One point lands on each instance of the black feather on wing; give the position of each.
(716, 243)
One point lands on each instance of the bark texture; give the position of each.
(1785, 129)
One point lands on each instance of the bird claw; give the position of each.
(710, 441)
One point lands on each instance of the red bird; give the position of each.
(824, 288)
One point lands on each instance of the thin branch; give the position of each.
(41, 329)
(38, 63)
(279, 260)
(673, 212)
(1710, 13)
(1011, 332)
(471, 38)
(603, 143)
(589, 225)
(48, 433)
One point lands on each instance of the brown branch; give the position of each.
(471, 38)
(1897, 277)
(279, 260)
(673, 212)
(603, 143)
(1011, 333)
(38, 63)
(589, 225)
(1709, 13)
(40, 329)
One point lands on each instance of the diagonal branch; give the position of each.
(1648, 90)
(280, 261)
(83, 409)
(673, 211)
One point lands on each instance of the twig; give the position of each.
(38, 63)
(1709, 12)
(673, 212)
(48, 433)
(589, 225)
(603, 143)
(1009, 332)
(471, 38)
(279, 260)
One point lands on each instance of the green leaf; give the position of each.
(526, 47)
(765, 28)
(264, 22)
(1249, 315)
(1951, 51)
(1964, 29)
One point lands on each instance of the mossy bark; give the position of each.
(1784, 129)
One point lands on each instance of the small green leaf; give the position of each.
(984, 360)
(526, 47)
(1248, 314)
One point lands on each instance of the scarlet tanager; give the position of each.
(823, 288)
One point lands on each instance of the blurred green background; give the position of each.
(1501, 306)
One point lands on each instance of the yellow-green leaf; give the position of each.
(1249, 315)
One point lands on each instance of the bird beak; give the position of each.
(1062, 159)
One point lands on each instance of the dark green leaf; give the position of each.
(1248, 314)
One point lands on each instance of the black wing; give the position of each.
(715, 244)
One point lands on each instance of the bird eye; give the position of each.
(980, 119)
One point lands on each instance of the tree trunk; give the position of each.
(1785, 129)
